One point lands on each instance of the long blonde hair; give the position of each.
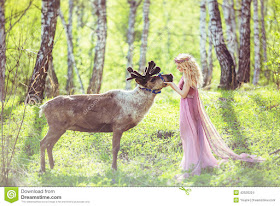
(191, 70)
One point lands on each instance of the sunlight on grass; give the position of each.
(151, 152)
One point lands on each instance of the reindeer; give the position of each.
(114, 111)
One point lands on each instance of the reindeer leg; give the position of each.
(47, 143)
(116, 147)
(50, 146)
(43, 148)
(50, 155)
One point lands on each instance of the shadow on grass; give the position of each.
(226, 104)
(109, 178)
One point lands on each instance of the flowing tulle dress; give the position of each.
(200, 138)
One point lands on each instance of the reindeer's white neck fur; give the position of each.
(136, 102)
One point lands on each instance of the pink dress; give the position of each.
(200, 138)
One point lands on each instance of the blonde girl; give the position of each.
(198, 135)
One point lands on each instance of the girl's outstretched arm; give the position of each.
(184, 92)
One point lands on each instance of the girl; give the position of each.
(198, 134)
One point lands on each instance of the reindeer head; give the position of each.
(148, 80)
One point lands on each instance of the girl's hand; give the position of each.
(168, 83)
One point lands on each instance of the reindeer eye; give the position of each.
(153, 79)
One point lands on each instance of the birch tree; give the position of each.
(235, 29)
(69, 83)
(2, 50)
(49, 15)
(99, 58)
(210, 59)
(256, 44)
(80, 11)
(228, 75)
(70, 49)
(144, 40)
(229, 15)
(243, 74)
(52, 85)
(203, 37)
(130, 37)
(263, 39)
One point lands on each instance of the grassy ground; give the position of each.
(150, 154)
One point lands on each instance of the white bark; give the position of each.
(229, 14)
(2, 50)
(70, 47)
(99, 58)
(48, 27)
(235, 29)
(144, 40)
(80, 11)
(130, 38)
(69, 83)
(203, 36)
(256, 44)
(227, 80)
(210, 59)
(263, 37)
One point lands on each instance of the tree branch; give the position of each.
(30, 3)
(276, 151)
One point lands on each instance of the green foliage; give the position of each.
(273, 63)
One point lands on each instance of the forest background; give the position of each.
(90, 52)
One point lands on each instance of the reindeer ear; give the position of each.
(155, 71)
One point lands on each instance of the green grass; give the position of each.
(150, 154)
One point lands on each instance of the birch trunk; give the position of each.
(229, 15)
(144, 40)
(92, 35)
(2, 50)
(210, 59)
(203, 36)
(256, 44)
(235, 29)
(80, 7)
(70, 47)
(238, 13)
(263, 38)
(130, 38)
(52, 85)
(49, 15)
(243, 74)
(227, 80)
(69, 83)
(99, 58)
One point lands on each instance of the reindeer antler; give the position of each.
(149, 71)
(134, 74)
